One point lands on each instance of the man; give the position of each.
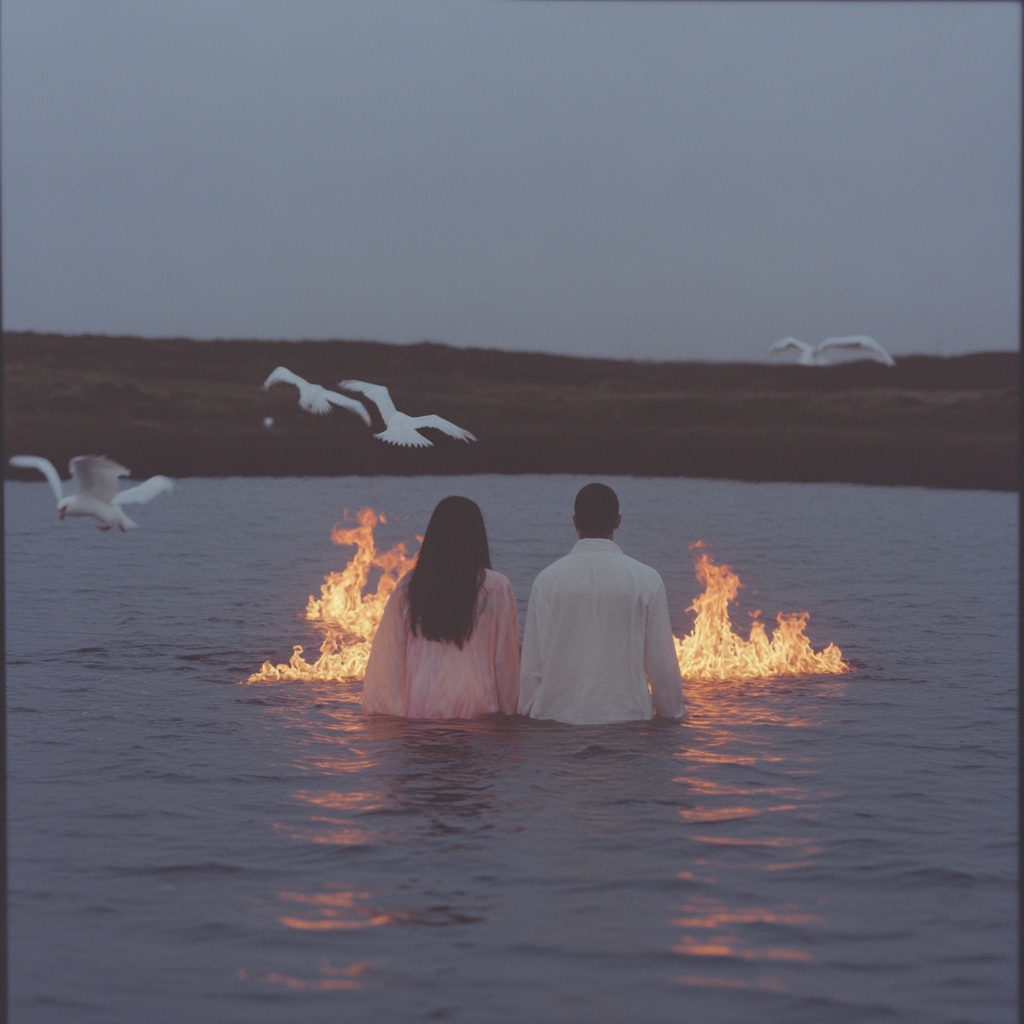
(597, 630)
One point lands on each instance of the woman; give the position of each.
(448, 643)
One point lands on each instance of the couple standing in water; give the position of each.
(597, 649)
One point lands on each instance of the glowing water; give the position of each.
(820, 848)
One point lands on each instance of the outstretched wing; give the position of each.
(441, 424)
(861, 341)
(784, 343)
(313, 398)
(146, 491)
(348, 403)
(376, 393)
(96, 476)
(404, 435)
(45, 466)
(282, 375)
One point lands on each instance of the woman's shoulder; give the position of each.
(496, 582)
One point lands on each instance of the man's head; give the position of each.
(597, 512)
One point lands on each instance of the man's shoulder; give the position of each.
(612, 557)
(554, 569)
(642, 571)
(636, 563)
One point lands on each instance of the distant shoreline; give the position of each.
(196, 408)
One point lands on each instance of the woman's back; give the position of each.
(448, 644)
(414, 677)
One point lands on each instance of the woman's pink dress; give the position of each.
(418, 678)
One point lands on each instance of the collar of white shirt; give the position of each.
(590, 545)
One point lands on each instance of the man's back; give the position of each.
(597, 629)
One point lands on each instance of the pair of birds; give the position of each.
(814, 355)
(97, 495)
(399, 429)
(96, 476)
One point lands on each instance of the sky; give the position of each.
(643, 180)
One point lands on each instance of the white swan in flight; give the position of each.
(314, 398)
(813, 355)
(401, 429)
(97, 494)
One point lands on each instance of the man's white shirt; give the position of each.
(597, 630)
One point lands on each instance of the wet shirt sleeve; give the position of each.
(530, 667)
(660, 661)
(506, 654)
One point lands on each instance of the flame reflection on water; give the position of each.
(333, 978)
(729, 728)
(760, 985)
(337, 910)
(531, 851)
(744, 809)
(727, 712)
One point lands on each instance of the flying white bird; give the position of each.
(813, 355)
(97, 494)
(314, 398)
(401, 429)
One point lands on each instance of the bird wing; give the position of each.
(145, 491)
(861, 341)
(282, 375)
(348, 403)
(401, 431)
(45, 466)
(313, 398)
(784, 343)
(442, 424)
(376, 393)
(96, 476)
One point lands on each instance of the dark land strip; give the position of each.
(196, 408)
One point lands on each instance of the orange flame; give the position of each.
(713, 651)
(348, 617)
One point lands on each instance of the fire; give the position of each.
(347, 617)
(713, 651)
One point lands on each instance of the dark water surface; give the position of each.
(821, 849)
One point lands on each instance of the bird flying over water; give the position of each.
(401, 429)
(813, 355)
(314, 398)
(97, 494)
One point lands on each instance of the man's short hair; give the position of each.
(597, 508)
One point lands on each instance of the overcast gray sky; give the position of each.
(653, 180)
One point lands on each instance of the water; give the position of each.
(185, 848)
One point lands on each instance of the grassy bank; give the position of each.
(188, 408)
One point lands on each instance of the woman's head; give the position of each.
(449, 572)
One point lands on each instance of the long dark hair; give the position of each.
(449, 572)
